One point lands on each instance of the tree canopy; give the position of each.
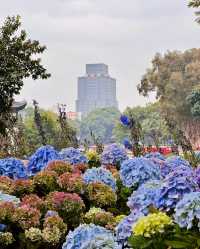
(173, 76)
(18, 57)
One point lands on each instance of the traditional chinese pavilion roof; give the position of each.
(18, 105)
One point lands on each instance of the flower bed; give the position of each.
(58, 202)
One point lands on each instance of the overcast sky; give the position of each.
(125, 34)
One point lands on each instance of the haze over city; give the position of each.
(124, 36)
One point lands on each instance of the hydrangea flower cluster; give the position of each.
(127, 144)
(100, 175)
(165, 168)
(174, 186)
(156, 155)
(113, 155)
(177, 161)
(6, 238)
(12, 168)
(72, 156)
(151, 224)
(188, 210)
(124, 228)
(90, 237)
(9, 198)
(145, 197)
(137, 171)
(197, 175)
(125, 120)
(41, 158)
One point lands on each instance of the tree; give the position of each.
(101, 123)
(195, 4)
(173, 77)
(18, 57)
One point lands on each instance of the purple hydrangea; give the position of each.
(100, 175)
(188, 210)
(124, 228)
(134, 172)
(72, 156)
(174, 186)
(41, 158)
(165, 167)
(90, 237)
(51, 213)
(12, 168)
(146, 196)
(113, 155)
(156, 155)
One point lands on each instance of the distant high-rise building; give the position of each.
(96, 89)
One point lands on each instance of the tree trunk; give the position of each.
(191, 128)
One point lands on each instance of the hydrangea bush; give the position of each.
(12, 168)
(39, 160)
(72, 156)
(90, 237)
(100, 175)
(137, 171)
(113, 155)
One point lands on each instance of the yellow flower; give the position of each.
(151, 224)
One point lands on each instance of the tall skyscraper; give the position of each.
(96, 89)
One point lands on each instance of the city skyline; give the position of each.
(124, 36)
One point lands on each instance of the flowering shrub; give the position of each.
(55, 221)
(26, 217)
(9, 198)
(156, 155)
(187, 210)
(174, 186)
(93, 159)
(6, 212)
(71, 182)
(33, 201)
(33, 234)
(5, 184)
(41, 158)
(69, 206)
(6, 238)
(72, 156)
(98, 216)
(51, 235)
(12, 168)
(22, 187)
(137, 171)
(152, 224)
(45, 182)
(101, 195)
(197, 175)
(124, 228)
(80, 168)
(177, 161)
(145, 197)
(90, 237)
(99, 175)
(113, 155)
(60, 167)
(113, 170)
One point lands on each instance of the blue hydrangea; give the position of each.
(41, 158)
(174, 186)
(9, 198)
(177, 161)
(100, 175)
(188, 210)
(197, 175)
(124, 228)
(127, 144)
(134, 172)
(125, 120)
(72, 156)
(156, 155)
(145, 197)
(165, 167)
(90, 237)
(12, 168)
(51, 213)
(2, 227)
(113, 155)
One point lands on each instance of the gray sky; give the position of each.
(123, 34)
